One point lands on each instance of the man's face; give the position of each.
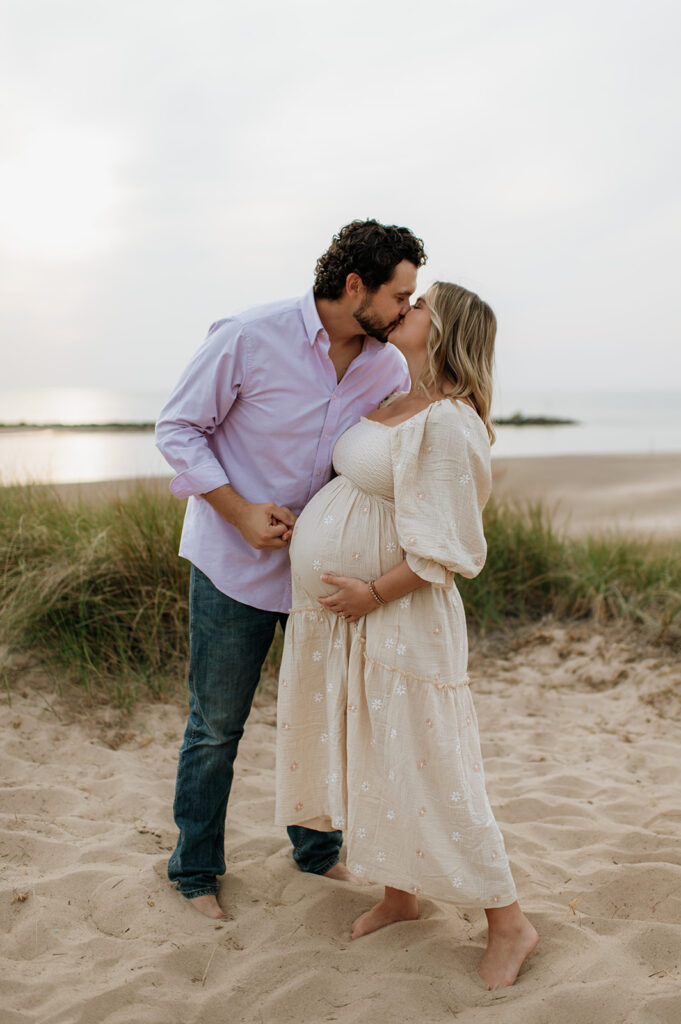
(378, 312)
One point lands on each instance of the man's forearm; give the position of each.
(228, 503)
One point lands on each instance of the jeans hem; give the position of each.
(193, 893)
(320, 871)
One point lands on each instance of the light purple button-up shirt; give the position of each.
(259, 407)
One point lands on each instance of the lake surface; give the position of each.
(610, 422)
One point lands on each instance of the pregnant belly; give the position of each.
(345, 531)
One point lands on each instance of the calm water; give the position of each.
(609, 423)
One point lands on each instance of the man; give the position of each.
(250, 430)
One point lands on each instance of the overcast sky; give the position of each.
(165, 163)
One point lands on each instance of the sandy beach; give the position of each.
(581, 733)
(581, 727)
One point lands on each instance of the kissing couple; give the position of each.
(335, 451)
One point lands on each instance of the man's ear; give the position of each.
(354, 285)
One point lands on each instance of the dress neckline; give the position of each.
(438, 401)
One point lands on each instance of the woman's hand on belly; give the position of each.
(351, 601)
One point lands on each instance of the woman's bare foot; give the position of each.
(396, 905)
(511, 940)
(208, 905)
(341, 873)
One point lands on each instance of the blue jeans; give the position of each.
(228, 645)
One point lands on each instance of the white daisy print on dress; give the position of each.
(316, 565)
(456, 837)
(337, 644)
(455, 796)
(391, 546)
(376, 704)
(380, 856)
(465, 478)
(338, 822)
(390, 815)
(318, 697)
(457, 881)
(405, 602)
(324, 738)
(316, 655)
(358, 869)
(328, 520)
(401, 649)
(361, 832)
(400, 690)
(365, 787)
(389, 642)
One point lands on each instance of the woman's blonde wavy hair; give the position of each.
(460, 348)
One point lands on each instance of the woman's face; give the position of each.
(411, 334)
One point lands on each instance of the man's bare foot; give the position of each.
(511, 940)
(208, 905)
(341, 873)
(396, 905)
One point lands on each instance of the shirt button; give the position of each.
(334, 395)
(318, 473)
(326, 435)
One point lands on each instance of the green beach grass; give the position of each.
(96, 591)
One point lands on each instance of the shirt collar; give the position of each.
(311, 318)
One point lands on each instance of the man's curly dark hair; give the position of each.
(369, 249)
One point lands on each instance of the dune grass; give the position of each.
(96, 588)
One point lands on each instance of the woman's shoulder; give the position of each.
(459, 415)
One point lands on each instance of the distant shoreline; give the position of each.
(518, 419)
(111, 427)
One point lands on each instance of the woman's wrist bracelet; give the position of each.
(372, 590)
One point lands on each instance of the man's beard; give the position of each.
(371, 325)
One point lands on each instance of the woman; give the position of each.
(377, 730)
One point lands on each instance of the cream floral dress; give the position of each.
(377, 733)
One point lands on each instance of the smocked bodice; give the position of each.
(362, 455)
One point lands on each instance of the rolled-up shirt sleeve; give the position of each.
(198, 404)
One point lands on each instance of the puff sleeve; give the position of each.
(442, 476)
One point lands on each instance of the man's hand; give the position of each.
(262, 526)
(266, 526)
(351, 601)
(289, 523)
